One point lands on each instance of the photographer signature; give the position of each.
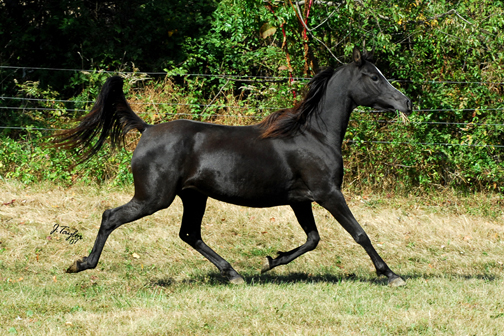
(73, 237)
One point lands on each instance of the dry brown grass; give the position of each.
(165, 101)
(450, 250)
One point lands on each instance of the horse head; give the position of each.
(371, 88)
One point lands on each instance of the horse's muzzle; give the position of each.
(409, 107)
(404, 105)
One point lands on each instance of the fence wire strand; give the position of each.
(345, 141)
(237, 77)
(239, 107)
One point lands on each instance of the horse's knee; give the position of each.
(106, 215)
(362, 238)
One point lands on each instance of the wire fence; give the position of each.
(166, 114)
(237, 77)
(261, 108)
(243, 107)
(237, 106)
(346, 141)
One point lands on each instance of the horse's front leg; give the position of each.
(304, 215)
(338, 207)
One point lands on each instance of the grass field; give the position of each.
(450, 250)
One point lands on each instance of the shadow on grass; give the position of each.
(298, 277)
(486, 277)
(216, 279)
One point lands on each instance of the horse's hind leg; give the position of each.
(190, 232)
(304, 215)
(111, 220)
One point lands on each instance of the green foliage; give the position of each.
(76, 34)
(31, 160)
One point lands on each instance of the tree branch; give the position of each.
(302, 20)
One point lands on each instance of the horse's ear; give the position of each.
(357, 57)
(370, 55)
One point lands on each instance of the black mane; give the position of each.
(287, 122)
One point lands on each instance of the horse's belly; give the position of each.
(253, 190)
(252, 184)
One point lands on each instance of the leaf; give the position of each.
(267, 30)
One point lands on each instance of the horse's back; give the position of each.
(187, 137)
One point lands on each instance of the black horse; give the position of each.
(293, 157)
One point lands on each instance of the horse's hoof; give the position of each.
(75, 266)
(397, 282)
(237, 280)
(266, 266)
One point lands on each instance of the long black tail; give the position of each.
(111, 116)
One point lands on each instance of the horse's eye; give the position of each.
(374, 78)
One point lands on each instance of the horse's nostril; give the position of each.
(408, 104)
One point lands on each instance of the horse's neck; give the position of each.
(335, 113)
